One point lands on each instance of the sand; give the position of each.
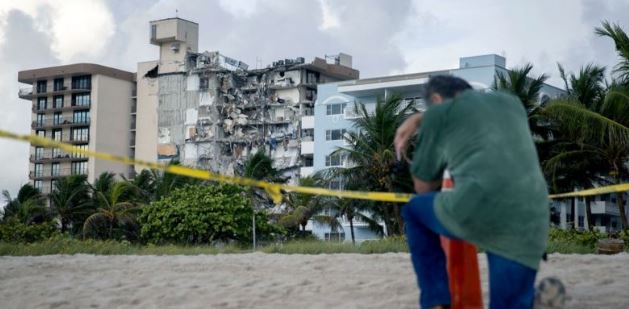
(260, 280)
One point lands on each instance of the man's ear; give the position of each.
(436, 98)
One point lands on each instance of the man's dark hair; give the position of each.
(445, 85)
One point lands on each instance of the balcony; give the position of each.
(50, 156)
(49, 123)
(307, 122)
(62, 172)
(307, 147)
(65, 108)
(604, 207)
(28, 94)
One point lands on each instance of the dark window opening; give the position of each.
(58, 84)
(41, 86)
(82, 82)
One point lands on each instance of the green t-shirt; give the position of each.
(500, 200)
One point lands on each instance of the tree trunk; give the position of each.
(63, 226)
(588, 212)
(573, 213)
(621, 207)
(398, 218)
(351, 228)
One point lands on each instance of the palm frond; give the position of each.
(584, 125)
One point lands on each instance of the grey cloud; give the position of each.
(24, 47)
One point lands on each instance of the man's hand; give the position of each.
(404, 133)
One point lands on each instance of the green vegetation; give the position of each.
(202, 215)
(567, 242)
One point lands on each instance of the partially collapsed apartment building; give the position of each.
(210, 111)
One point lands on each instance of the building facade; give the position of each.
(604, 210)
(87, 105)
(212, 111)
(334, 113)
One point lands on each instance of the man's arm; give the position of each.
(404, 133)
(425, 186)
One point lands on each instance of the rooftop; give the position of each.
(30, 76)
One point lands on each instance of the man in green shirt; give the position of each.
(499, 201)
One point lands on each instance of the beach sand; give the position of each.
(260, 280)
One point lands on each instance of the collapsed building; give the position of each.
(212, 111)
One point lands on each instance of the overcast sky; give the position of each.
(384, 37)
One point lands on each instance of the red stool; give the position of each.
(462, 262)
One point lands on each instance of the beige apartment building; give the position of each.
(88, 105)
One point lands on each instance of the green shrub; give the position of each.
(202, 214)
(15, 231)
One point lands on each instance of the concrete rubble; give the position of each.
(215, 112)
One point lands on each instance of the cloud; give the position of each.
(384, 37)
(18, 53)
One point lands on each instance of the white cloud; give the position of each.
(330, 19)
(239, 8)
(80, 28)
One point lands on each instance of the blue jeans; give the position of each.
(511, 284)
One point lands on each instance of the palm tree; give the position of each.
(372, 160)
(527, 89)
(595, 130)
(621, 41)
(28, 207)
(303, 206)
(117, 209)
(354, 209)
(260, 167)
(70, 201)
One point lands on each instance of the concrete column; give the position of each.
(563, 215)
(575, 215)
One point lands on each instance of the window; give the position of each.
(39, 153)
(58, 84)
(81, 117)
(82, 82)
(56, 153)
(82, 99)
(39, 170)
(41, 86)
(78, 155)
(153, 32)
(580, 221)
(53, 184)
(56, 134)
(335, 109)
(308, 161)
(57, 101)
(307, 132)
(334, 135)
(58, 118)
(311, 78)
(39, 185)
(80, 134)
(40, 119)
(42, 103)
(55, 169)
(79, 168)
(41, 133)
(334, 160)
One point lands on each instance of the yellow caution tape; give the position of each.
(273, 189)
(594, 191)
